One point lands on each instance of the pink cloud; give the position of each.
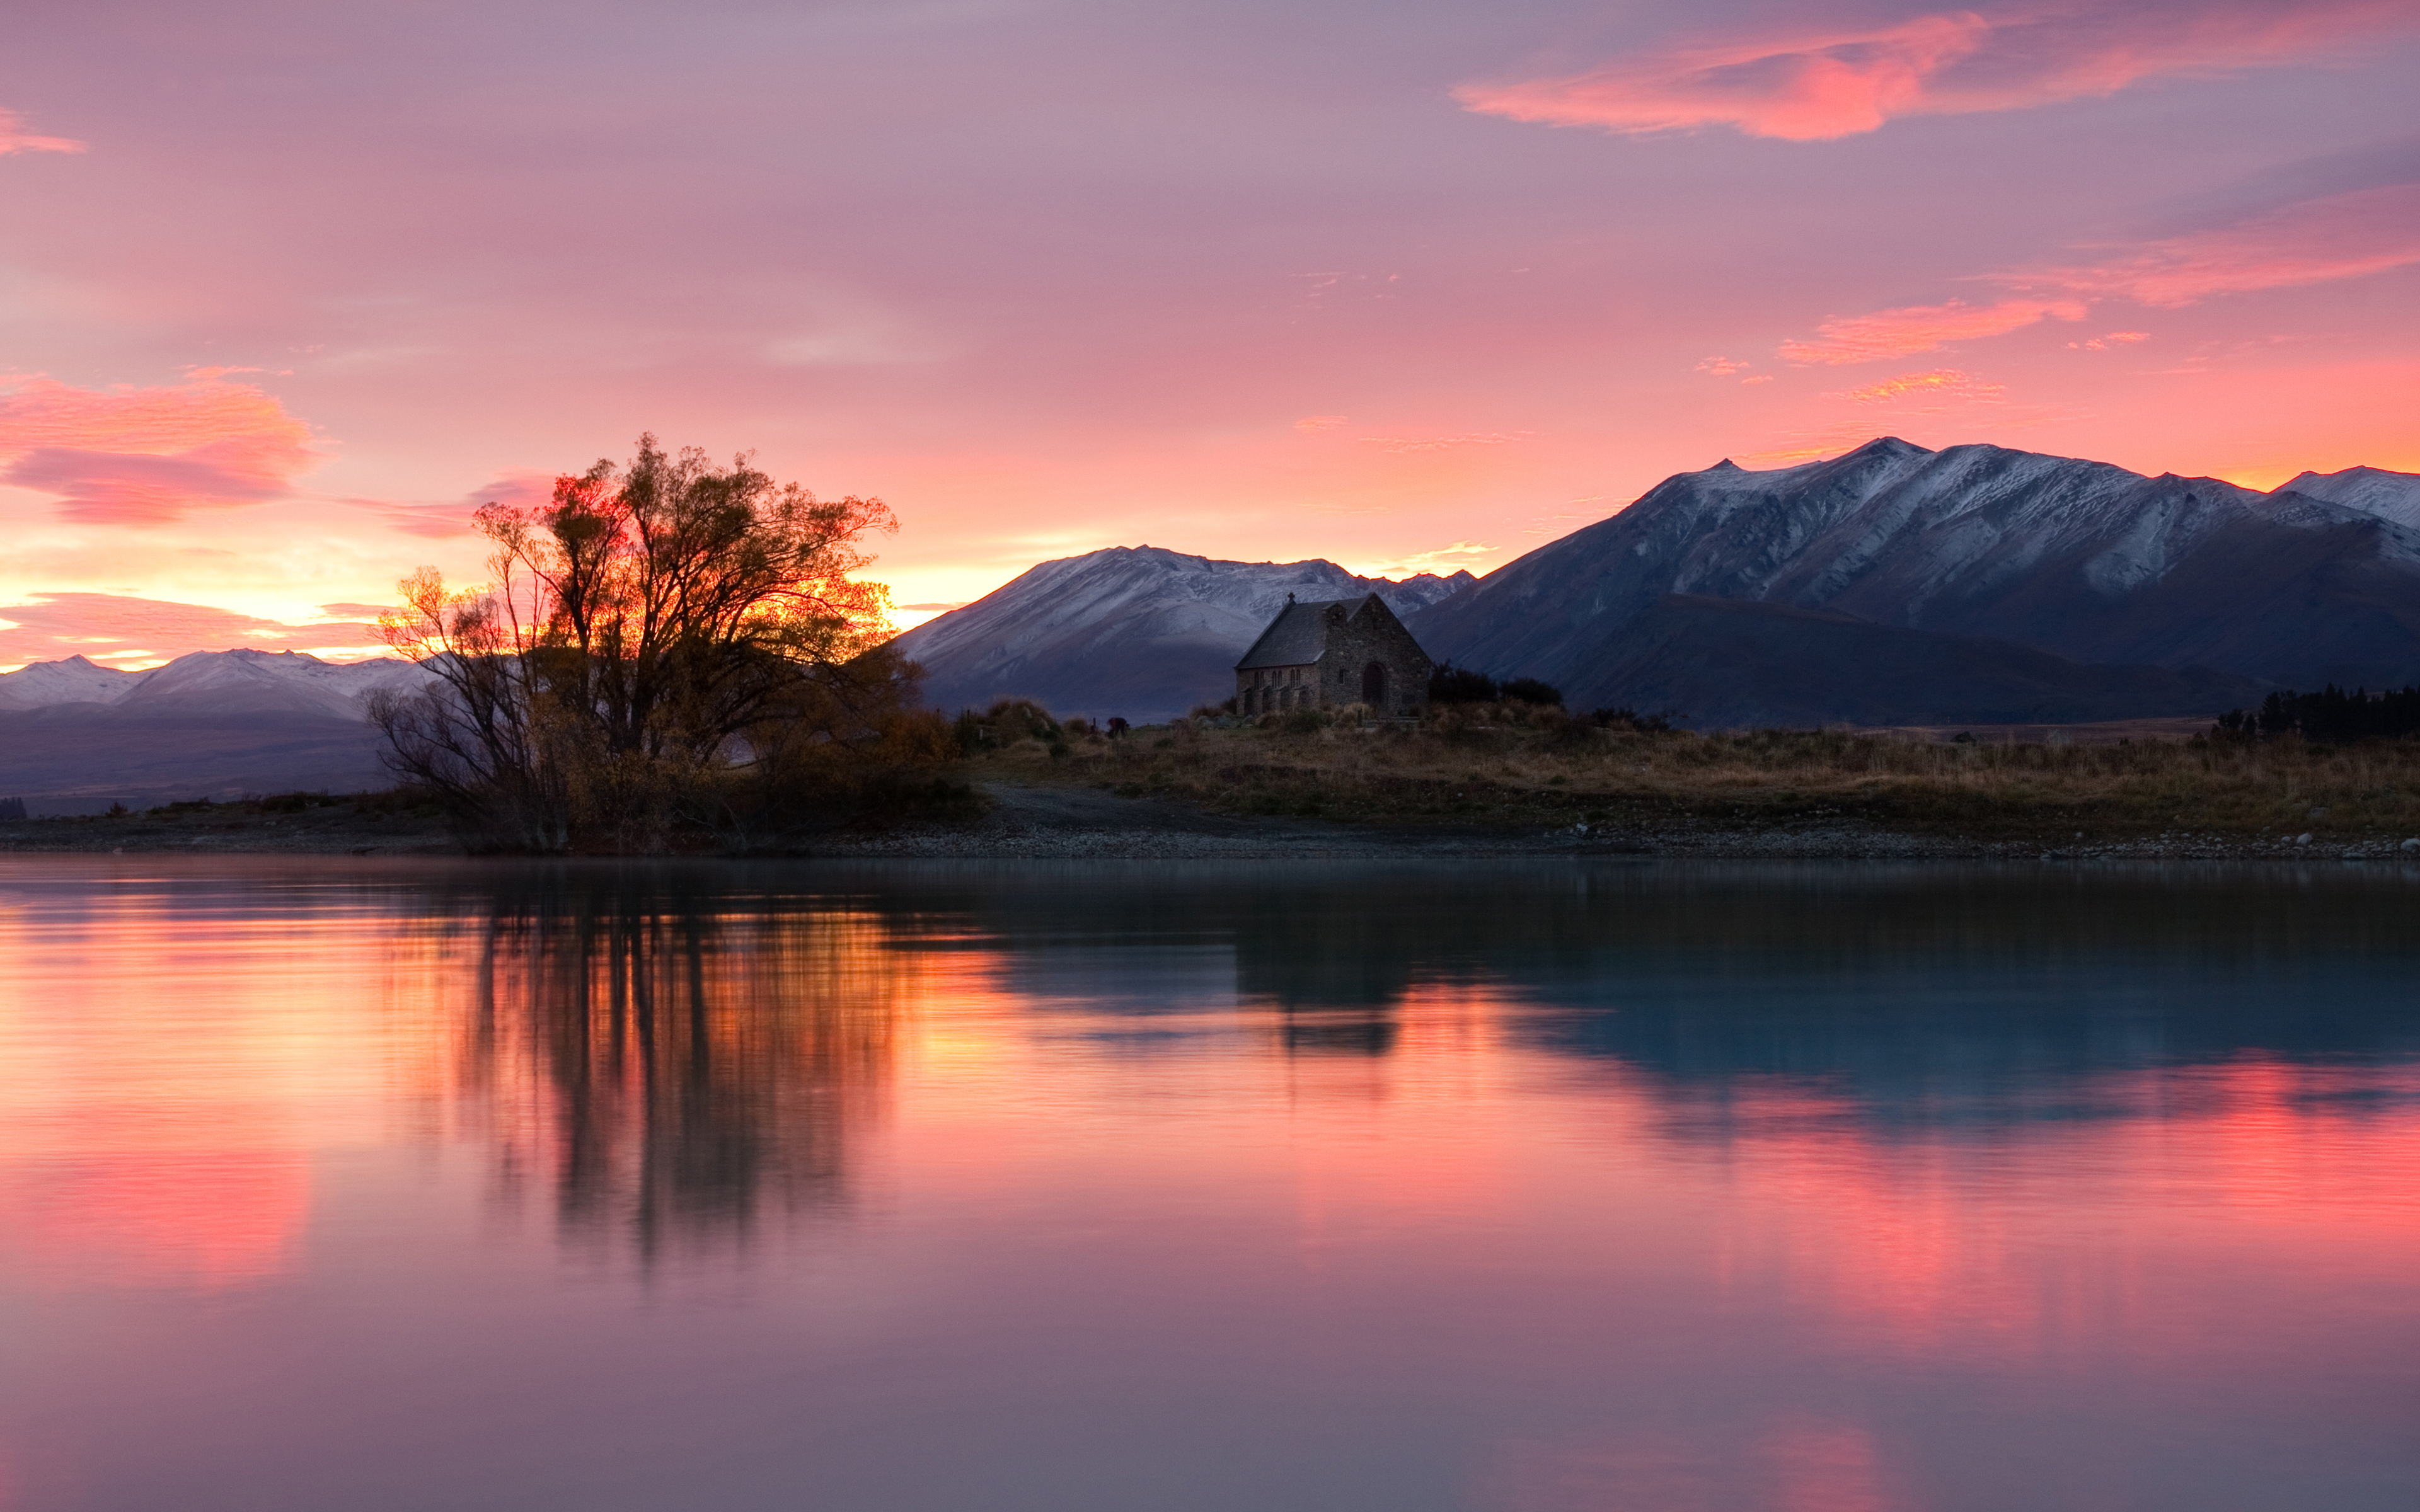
(117, 626)
(108, 489)
(1922, 328)
(1723, 366)
(520, 488)
(1818, 85)
(15, 138)
(2315, 241)
(143, 456)
(2335, 236)
(1311, 423)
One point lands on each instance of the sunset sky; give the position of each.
(286, 289)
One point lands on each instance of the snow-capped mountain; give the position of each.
(75, 736)
(1138, 631)
(2393, 496)
(75, 680)
(224, 681)
(2082, 559)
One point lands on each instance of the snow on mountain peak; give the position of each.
(233, 680)
(2376, 491)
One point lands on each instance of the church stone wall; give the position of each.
(1362, 649)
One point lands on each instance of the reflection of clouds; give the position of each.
(1789, 1462)
(207, 1217)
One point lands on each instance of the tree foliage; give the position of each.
(665, 644)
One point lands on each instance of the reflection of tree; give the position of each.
(673, 1061)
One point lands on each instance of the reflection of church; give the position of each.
(1331, 656)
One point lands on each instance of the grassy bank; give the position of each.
(1505, 765)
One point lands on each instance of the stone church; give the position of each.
(1331, 654)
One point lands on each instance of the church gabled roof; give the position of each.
(1294, 638)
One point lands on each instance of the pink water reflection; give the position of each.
(634, 1196)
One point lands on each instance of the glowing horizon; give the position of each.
(1251, 287)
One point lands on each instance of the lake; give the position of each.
(1529, 1186)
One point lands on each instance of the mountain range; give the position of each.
(1894, 584)
(76, 738)
(1134, 631)
(2316, 581)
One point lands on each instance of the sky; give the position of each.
(286, 289)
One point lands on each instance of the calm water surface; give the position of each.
(1521, 1187)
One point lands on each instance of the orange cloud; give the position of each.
(15, 138)
(2115, 338)
(1939, 388)
(1817, 86)
(1723, 366)
(141, 456)
(1310, 423)
(1922, 328)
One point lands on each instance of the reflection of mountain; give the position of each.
(672, 1057)
(1941, 993)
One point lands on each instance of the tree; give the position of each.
(652, 636)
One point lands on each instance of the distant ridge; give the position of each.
(76, 738)
(1140, 632)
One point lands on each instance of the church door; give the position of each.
(1373, 686)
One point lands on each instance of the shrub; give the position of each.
(1531, 690)
(1450, 683)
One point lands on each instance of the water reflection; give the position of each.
(1506, 1187)
(667, 1058)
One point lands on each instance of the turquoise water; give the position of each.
(1814, 1188)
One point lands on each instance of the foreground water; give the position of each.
(1549, 1186)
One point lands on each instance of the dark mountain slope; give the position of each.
(1729, 662)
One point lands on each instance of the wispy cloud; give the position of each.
(1405, 445)
(1944, 388)
(2110, 341)
(1820, 84)
(1445, 561)
(2315, 241)
(146, 457)
(2349, 235)
(438, 522)
(15, 138)
(1311, 424)
(1922, 328)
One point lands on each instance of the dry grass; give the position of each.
(1518, 766)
